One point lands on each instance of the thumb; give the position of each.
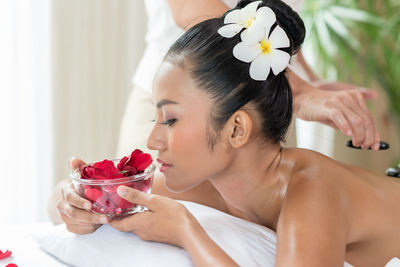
(368, 94)
(75, 163)
(134, 196)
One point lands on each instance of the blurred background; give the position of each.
(65, 76)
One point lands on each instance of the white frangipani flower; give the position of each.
(264, 54)
(248, 17)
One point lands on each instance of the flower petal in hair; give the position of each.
(246, 18)
(265, 54)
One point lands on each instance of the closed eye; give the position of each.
(168, 122)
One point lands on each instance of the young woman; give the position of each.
(223, 105)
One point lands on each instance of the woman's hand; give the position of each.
(166, 221)
(75, 210)
(341, 106)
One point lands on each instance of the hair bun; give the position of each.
(287, 18)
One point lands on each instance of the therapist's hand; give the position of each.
(341, 106)
(75, 210)
(166, 221)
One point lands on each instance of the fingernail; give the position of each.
(103, 219)
(122, 191)
(362, 89)
(376, 146)
(348, 132)
(86, 205)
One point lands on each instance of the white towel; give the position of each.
(395, 262)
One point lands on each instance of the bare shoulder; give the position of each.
(204, 193)
(313, 222)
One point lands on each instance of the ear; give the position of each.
(239, 128)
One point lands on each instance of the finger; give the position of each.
(131, 223)
(377, 140)
(368, 94)
(369, 125)
(76, 162)
(74, 199)
(125, 225)
(340, 122)
(135, 196)
(83, 216)
(81, 229)
(67, 220)
(356, 124)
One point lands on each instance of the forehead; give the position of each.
(174, 83)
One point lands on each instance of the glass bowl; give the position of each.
(103, 193)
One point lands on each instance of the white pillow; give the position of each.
(249, 244)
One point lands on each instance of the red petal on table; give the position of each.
(93, 194)
(120, 202)
(11, 265)
(5, 254)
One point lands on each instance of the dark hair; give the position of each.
(211, 63)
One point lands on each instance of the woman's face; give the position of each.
(181, 131)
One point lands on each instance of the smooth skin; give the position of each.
(324, 212)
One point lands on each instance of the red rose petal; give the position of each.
(122, 163)
(102, 201)
(143, 185)
(129, 171)
(93, 194)
(143, 161)
(88, 172)
(120, 202)
(132, 158)
(136, 153)
(111, 207)
(4, 255)
(106, 170)
(11, 265)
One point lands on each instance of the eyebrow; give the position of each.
(166, 102)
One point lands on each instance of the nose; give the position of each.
(156, 141)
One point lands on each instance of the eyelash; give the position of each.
(167, 122)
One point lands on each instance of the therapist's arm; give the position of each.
(187, 13)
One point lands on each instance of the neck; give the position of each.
(251, 184)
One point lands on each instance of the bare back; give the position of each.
(369, 201)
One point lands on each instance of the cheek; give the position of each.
(188, 148)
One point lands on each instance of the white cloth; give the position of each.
(249, 244)
(162, 31)
(395, 262)
(26, 252)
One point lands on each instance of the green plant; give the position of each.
(357, 41)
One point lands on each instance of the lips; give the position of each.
(163, 163)
(164, 166)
